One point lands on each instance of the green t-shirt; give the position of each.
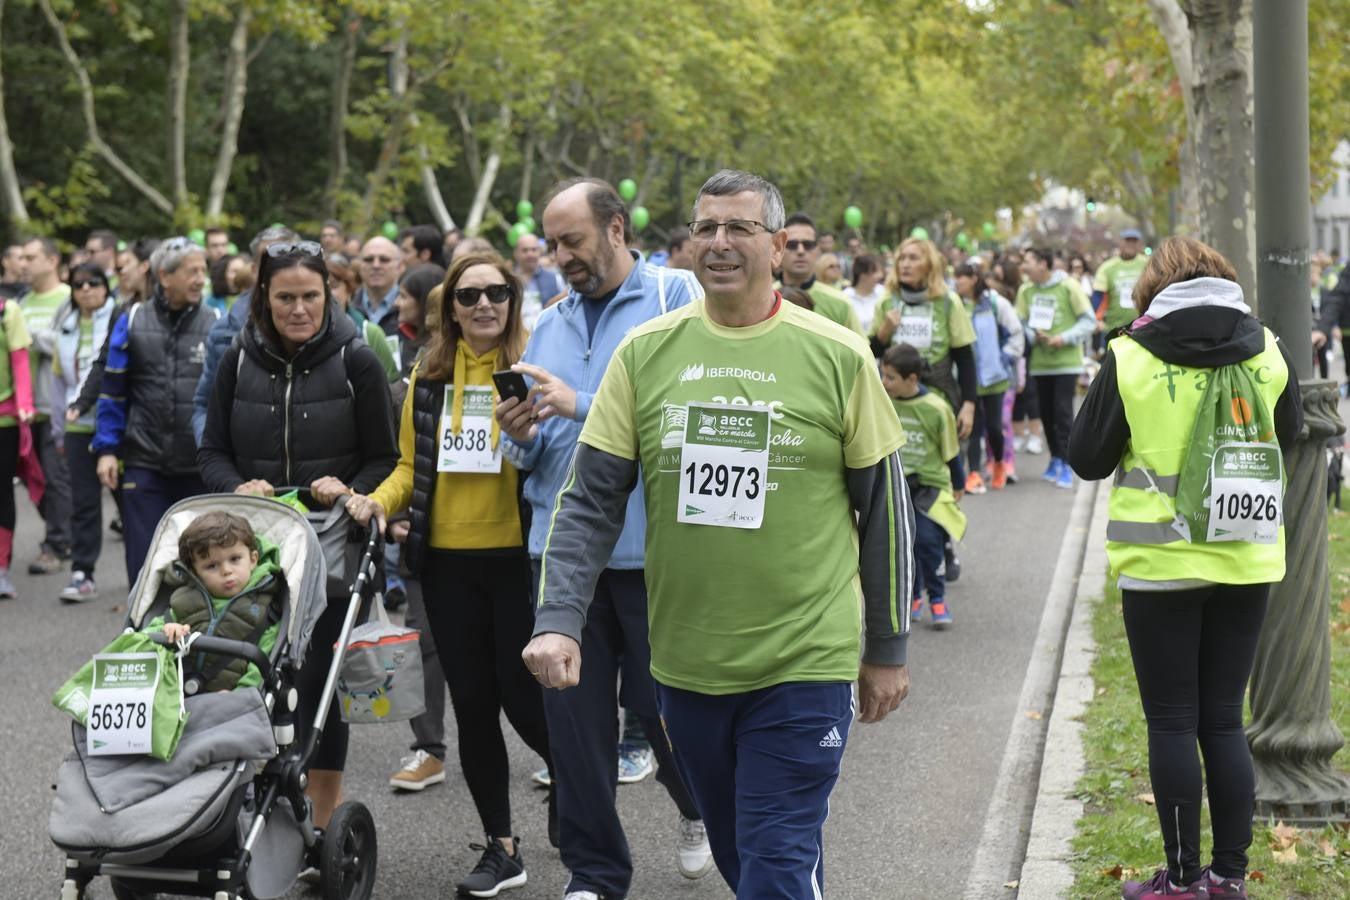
(1068, 302)
(84, 358)
(933, 327)
(833, 305)
(1116, 277)
(930, 438)
(15, 337)
(734, 609)
(39, 314)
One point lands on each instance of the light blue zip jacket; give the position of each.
(74, 371)
(559, 345)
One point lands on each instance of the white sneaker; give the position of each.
(1019, 442)
(1035, 446)
(693, 854)
(581, 895)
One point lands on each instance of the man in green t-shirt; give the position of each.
(776, 507)
(48, 295)
(1113, 285)
(801, 251)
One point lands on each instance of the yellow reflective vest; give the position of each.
(1161, 403)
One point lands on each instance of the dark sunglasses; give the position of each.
(804, 245)
(302, 248)
(382, 260)
(81, 285)
(496, 293)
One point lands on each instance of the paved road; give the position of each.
(906, 817)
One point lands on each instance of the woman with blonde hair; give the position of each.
(830, 271)
(466, 541)
(920, 310)
(1192, 409)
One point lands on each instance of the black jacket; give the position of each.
(165, 352)
(1203, 338)
(324, 412)
(1335, 305)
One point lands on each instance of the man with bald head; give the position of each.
(538, 284)
(381, 265)
(611, 292)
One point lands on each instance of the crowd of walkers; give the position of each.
(361, 371)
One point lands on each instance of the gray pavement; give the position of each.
(906, 818)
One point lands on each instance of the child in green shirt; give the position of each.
(932, 472)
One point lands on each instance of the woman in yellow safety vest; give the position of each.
(1192, 410)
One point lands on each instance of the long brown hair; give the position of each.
(438, 364)
(1179, 259)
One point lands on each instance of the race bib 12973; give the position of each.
(724, 465)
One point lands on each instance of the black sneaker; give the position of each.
(953, 565)
(496, 871)
(395, 598)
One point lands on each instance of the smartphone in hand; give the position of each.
(510, 384)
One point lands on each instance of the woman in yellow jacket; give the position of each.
(465, 541)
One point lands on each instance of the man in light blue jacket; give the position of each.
(611, 291)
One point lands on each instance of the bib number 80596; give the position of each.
(116, 716)
(720, 480)
(1249, 507)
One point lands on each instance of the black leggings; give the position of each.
(1193, 653)
(1056, 397)
(988, 423)
(331, 754)
(9, 465)
(478, 608)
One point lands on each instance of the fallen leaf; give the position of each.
(1345, 605)
(1286, 857)
(1011, 885)
(1284, 836)
(1256, 875)
(1146, 797)
(1034, 714)
(1101, 691)
(1327, 848)
(1116, 872)
(119, 608)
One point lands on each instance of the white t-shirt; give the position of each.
(865, 304)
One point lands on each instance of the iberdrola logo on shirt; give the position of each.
(692, 372)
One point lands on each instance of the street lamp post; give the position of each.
(1292, 736)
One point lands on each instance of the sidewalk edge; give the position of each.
(1047, 870)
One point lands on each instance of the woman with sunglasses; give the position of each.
(82, 327)
(299, 400)
(467, 542)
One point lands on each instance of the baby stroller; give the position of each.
(231, 828)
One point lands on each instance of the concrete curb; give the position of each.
(1002, 843)
(1047, 871)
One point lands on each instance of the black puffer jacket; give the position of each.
(324, 412)
(165, 352)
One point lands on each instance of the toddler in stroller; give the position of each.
(226, 816)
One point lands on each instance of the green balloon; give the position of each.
(918, 232)
(121, 246)
(853, 217)
(988, 228)
(513, 234)
(628, 189)
(197, 236)
(640, 217)
(527, 224)
(962, 240)
(232, 248)
(390, 230)
(524, 209)
(277, 225)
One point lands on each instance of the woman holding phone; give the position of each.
(466, 541)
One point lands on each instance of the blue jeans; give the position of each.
(146, 497)
(928, 540)
(761, 766)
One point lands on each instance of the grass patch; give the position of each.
(1118, 836)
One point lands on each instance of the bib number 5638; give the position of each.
(721, 480)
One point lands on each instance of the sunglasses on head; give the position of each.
(496, 293)
(804, 245)
(299, 248)
(92, 282)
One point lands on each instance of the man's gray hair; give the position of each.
(733, 181)
(272, 234)
(169, 255)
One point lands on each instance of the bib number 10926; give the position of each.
(708, 480)
(724, 465)
(1246, 506)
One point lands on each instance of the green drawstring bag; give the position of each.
(292, 499)
(126, 671)
(1231, 485)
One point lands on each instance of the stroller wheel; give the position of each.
(122, 892)
(347, 859)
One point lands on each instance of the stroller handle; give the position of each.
(224, 647)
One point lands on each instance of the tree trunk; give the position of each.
(393, 138)
(236, 87)
(110, 156)
(179, 59)
(489, 177)
(527, 170)
(1171, 21)
(11, 197)
(337, 117)
(439, 211)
